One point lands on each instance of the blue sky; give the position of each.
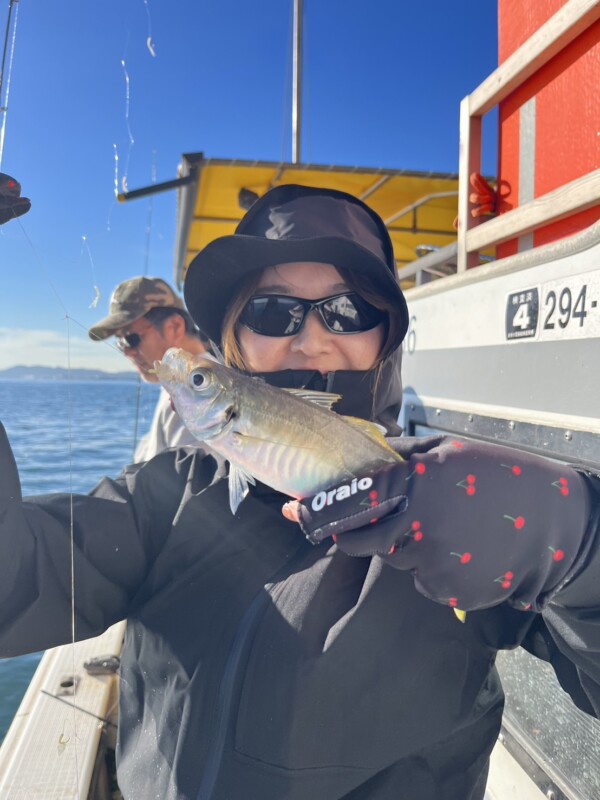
(382, 85)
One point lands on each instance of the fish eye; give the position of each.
(197, 379)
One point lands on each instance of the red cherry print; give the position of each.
(373, 495)
(374, 503)
(391, 550)
(468, 484)
(505, 580)
(562, 485)
(452, 601)
(519, 522)
(463, 557)
(420, 469)
(373, 521)
(415, 531)
(557, 555)
(458, 445)
(514, 468)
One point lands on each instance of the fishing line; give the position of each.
(85, 244)
(151, 49)
(72, 541)
(115, 185)
(68, 320)
(149, 40)
(43, 269)
(40, 263)
(131, 139)
(105, 720)
(4, 105)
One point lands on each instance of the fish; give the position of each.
(288, 439)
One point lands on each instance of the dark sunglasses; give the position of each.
(128, 340)
(282, 315)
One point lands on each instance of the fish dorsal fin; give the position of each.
(324, 399)
(372, 429)
(214, 354)
(238, 485)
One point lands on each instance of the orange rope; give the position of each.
(484, 197)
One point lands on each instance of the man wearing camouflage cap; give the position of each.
(147, 317)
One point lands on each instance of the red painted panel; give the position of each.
(519, 19)
(567, 143)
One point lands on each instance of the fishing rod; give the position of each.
(11, 3)
(11, 203)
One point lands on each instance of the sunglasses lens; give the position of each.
(273, 315)
(349, 313)
(278, 315)
(130, 340)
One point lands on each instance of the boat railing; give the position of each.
(475, 234)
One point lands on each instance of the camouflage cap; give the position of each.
(131, 300)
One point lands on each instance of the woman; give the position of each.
(260, 664)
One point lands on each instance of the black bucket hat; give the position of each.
(287, 224)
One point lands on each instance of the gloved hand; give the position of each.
(477, 524)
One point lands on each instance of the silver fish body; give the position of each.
(295, 445)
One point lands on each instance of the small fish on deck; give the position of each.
(289, 439)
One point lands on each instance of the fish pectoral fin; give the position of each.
(324, 399)
(372, 429)
(238, 485)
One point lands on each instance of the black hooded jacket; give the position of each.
(256, 665)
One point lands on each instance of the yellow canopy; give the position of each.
(418, 207)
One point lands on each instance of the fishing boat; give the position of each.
(502, 346)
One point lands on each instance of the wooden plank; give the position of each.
(559, 31)
(469, 161)
(50, 749)
(576, 196)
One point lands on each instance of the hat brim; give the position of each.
(213, 276)
(111, 324)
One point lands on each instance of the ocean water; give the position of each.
(66, 435)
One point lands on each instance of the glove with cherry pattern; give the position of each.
(476, 524)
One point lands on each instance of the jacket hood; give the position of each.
(374, 394)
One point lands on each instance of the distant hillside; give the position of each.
(20, 373)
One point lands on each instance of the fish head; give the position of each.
(201, 391)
